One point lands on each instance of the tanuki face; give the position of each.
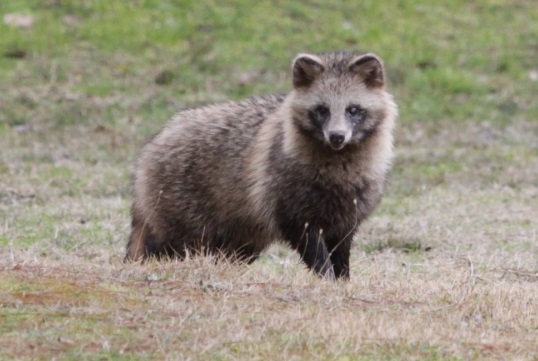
(340, 103)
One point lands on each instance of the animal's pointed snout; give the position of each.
(337, 138)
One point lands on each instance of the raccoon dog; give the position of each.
(305, 168)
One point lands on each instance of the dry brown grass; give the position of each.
(394, 308)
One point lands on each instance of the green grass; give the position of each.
(444, 270)
(441, 58)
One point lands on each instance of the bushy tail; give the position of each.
(140, 233)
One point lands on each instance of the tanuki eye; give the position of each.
(356, 112)
(322, 111)
(353, 110)
(319, 115)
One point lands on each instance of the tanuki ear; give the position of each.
(369, 67)
(306, 68)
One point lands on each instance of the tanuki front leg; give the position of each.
(340, 257)
(314, 253)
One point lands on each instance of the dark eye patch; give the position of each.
(319, 115)
(355, 113)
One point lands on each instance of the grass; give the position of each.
(446, 269)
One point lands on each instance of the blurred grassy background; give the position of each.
(451, 61)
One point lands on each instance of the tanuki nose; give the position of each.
(337, 138)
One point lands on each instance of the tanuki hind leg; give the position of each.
(144, 244)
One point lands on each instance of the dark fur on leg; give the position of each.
(340, 258)
(315, 255)
(310, 245)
